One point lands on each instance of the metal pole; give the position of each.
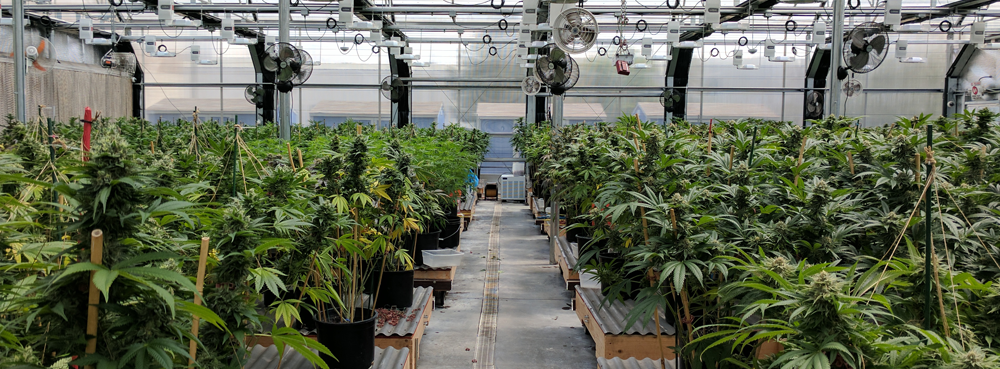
(378, 125)
(20, 92)
(284, 99)
(557, 111)
(927, 240)
(836, 56)
(553, 228)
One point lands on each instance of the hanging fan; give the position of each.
(122, 64)
(852, 87)
(41, 54)
(669, 99)
(531, 85)
(557, 70)
(291, 66)
(575, 30)
(390, 88)
(865, 47)
(814, 105)
(254, 95)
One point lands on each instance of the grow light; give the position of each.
(208, 62)
(640, 66)
(100, 42)
(658, 57)
(408, 57)
(782, 59)
(527, 65)
(420, 64)
(184, 23)
(913, 59)
(748, 67)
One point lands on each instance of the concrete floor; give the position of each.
(536, 327)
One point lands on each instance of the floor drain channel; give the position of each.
(487, 339)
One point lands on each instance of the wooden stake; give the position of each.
(199, 283)
(732, 151)
(710, 125)
(982, 170)
(359, 129)
(96, 256)
(152, 147)
(802, 150)
(916, 172)
(291, 161)
(300, 157)
(850, 161)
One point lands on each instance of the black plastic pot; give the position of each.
(450, 236)
(424, 241)
(617, 261)
(586, 243)
(394, 289)
(352, 343)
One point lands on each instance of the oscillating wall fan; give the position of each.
(670, 100)
(40, 54)
(292, 66)
(531, 85)
(390, 88)
(558, 70)
(814, 105)
(575, 30)
(866, 47)
(254, 95)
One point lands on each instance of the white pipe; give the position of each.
(284, 100)
(837, 55)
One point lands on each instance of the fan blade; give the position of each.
(556, 54)
(41, 47)
(38, 66)
(857, 41)
(270, 64)
(587, 34)
(285, 74)
(859, 61)
(573, 18)
(286, 52)
(878, 44)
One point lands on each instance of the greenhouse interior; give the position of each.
(586, 184)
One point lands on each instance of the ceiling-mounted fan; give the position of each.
(122, 64)
(575, 30)
(557, 70)
(292, 66)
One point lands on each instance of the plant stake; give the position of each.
(199, 283)
(927, 234)
(87, 128)
(96, 255)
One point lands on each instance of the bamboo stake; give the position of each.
(850, 161)
(710, 125)
(300, 157)
(940, 295)
(152, 147)
(291, 161)
(359, 129)
(96, 256)
(916, 172)
(199, 283)
(982, 171)
(802, 150)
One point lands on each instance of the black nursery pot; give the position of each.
(394, 289)
(450, 236)
(425, 241)
(617, 261)
(351, 343)
(584, 244)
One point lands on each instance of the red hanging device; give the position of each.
(622, 67)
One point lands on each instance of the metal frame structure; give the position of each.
(479, 16)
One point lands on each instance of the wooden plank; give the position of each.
(435, 274)
(623, 346)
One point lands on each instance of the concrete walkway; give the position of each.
(535, 327)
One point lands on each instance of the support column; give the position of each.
(20, 91)
(836, 57)
(284, 99)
